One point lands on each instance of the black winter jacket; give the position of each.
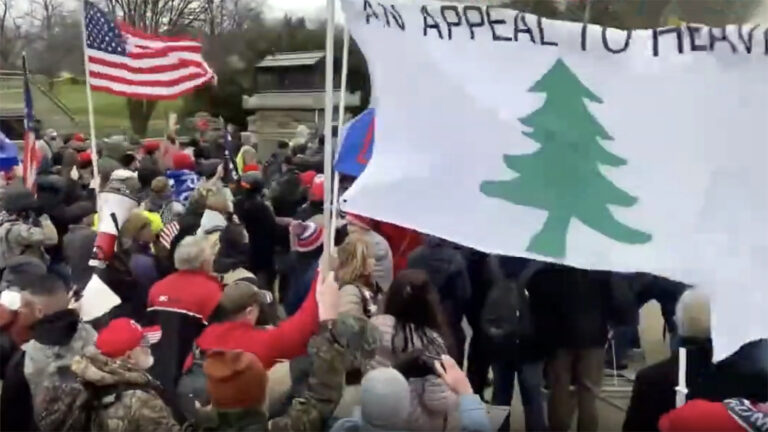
(576, 306)
(264, 233)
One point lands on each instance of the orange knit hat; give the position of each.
(235, 379)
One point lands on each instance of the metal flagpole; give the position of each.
(588, 12)
(681, 390)
(337, 147)
(89, 97)
(328, 132)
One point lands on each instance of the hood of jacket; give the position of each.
(56, 329)
(99, 370)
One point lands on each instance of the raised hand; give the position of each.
(454, 377)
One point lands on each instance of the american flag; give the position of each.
(127, 62)
(31, 159)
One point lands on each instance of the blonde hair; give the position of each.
(131, 228)
(353, 256)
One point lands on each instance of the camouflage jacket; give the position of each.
(19, 238)
(127, 398)
(343, 344)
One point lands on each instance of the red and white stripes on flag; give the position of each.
(127, 62)
(31, 158)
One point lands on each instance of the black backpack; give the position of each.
(506, 314)
(192, 386)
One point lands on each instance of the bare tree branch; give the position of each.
(44, 13)
(11, 34)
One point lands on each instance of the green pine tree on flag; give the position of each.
(562, 176)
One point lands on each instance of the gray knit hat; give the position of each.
(385, 400)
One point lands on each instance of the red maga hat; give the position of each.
(122, 335)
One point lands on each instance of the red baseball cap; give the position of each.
(122, 335)
(317, 189)
(78, 137)
(85, 157)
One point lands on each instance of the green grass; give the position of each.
(110, 112)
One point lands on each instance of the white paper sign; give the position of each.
(97, 299)
(599, 148)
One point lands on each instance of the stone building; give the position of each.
(290, 91)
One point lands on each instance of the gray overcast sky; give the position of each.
(307, 8)
(295, 7)
(311, 8)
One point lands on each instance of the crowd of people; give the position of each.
(230, 318)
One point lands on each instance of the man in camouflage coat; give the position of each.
(125, 398)
(341, 344)
(21, 231)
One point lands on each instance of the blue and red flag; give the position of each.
(31, 159)
(356, 144)
(9, 153)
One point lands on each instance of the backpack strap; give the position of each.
(367, 309)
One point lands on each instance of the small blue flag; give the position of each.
(356, 144)
(183, 184)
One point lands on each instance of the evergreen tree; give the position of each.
(562, 176)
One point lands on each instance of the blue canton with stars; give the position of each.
(102, 33)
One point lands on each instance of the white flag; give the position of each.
(598, 148)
